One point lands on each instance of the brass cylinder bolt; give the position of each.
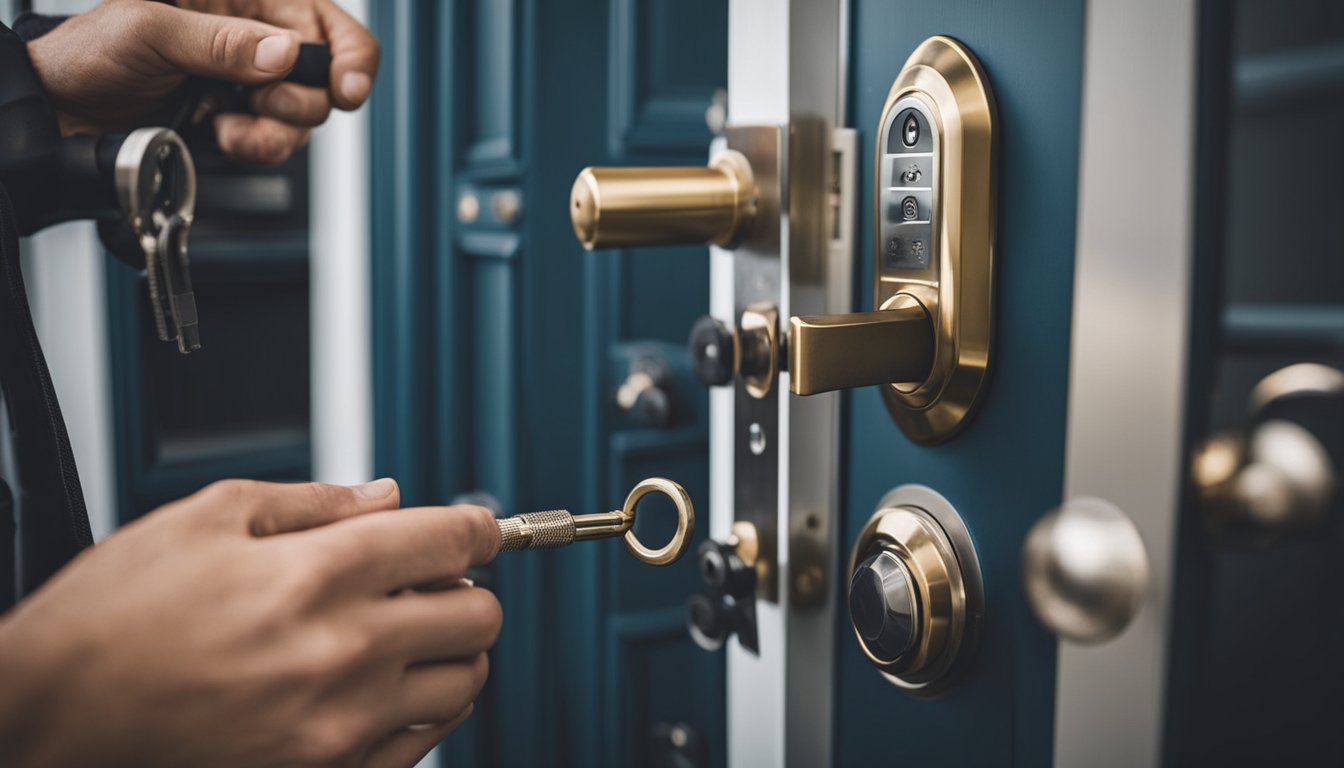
(624, 207)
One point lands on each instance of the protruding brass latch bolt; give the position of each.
(624, 207)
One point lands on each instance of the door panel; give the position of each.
(500, 346)
(1005, 469)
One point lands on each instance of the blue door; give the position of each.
(501, 346)
(809, 466)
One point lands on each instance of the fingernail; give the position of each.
(227, 123)
(282, 102)
(272, 53)
(227, 130)
(355, 86)
(378, 489)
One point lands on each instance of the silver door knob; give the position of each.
(1085, 570)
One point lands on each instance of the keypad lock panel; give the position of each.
(926, 342)
(907, 193)
(935, 230)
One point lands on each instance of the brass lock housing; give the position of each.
(916, 599)
(928, 344)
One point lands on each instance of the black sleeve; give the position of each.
(29, 26)
(47, 500)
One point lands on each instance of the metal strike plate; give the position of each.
(756, 277)
(934, 229)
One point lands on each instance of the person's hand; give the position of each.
(254, 624)
(113, 67)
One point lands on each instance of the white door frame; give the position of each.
(786, 67)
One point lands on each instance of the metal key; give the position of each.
(557, 528)
(156, 186)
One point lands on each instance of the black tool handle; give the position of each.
(313, 67)
(203, 98)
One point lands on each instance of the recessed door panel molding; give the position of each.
(659, 97)
(494, 122)
(1127, 379)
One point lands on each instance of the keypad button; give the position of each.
(910, 130)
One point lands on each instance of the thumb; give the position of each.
(291, 507)
(220, 47)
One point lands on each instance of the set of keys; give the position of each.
(155, 179)
(156, 186)
(558, 528)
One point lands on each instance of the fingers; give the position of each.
(354, 56)
(407, 746)
(418, 546)
(290, 507)
(436, 626)
(294, 104)
(223, 47)
(258, 140)
(437, 693)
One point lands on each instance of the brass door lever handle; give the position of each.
(893, 345)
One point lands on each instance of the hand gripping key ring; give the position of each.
(557, 528)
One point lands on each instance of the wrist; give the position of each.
(43, 71)
(30, 666)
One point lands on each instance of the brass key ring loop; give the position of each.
(681, 540)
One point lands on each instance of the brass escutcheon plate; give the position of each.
(949, 268)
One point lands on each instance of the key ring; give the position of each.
(681, 540)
